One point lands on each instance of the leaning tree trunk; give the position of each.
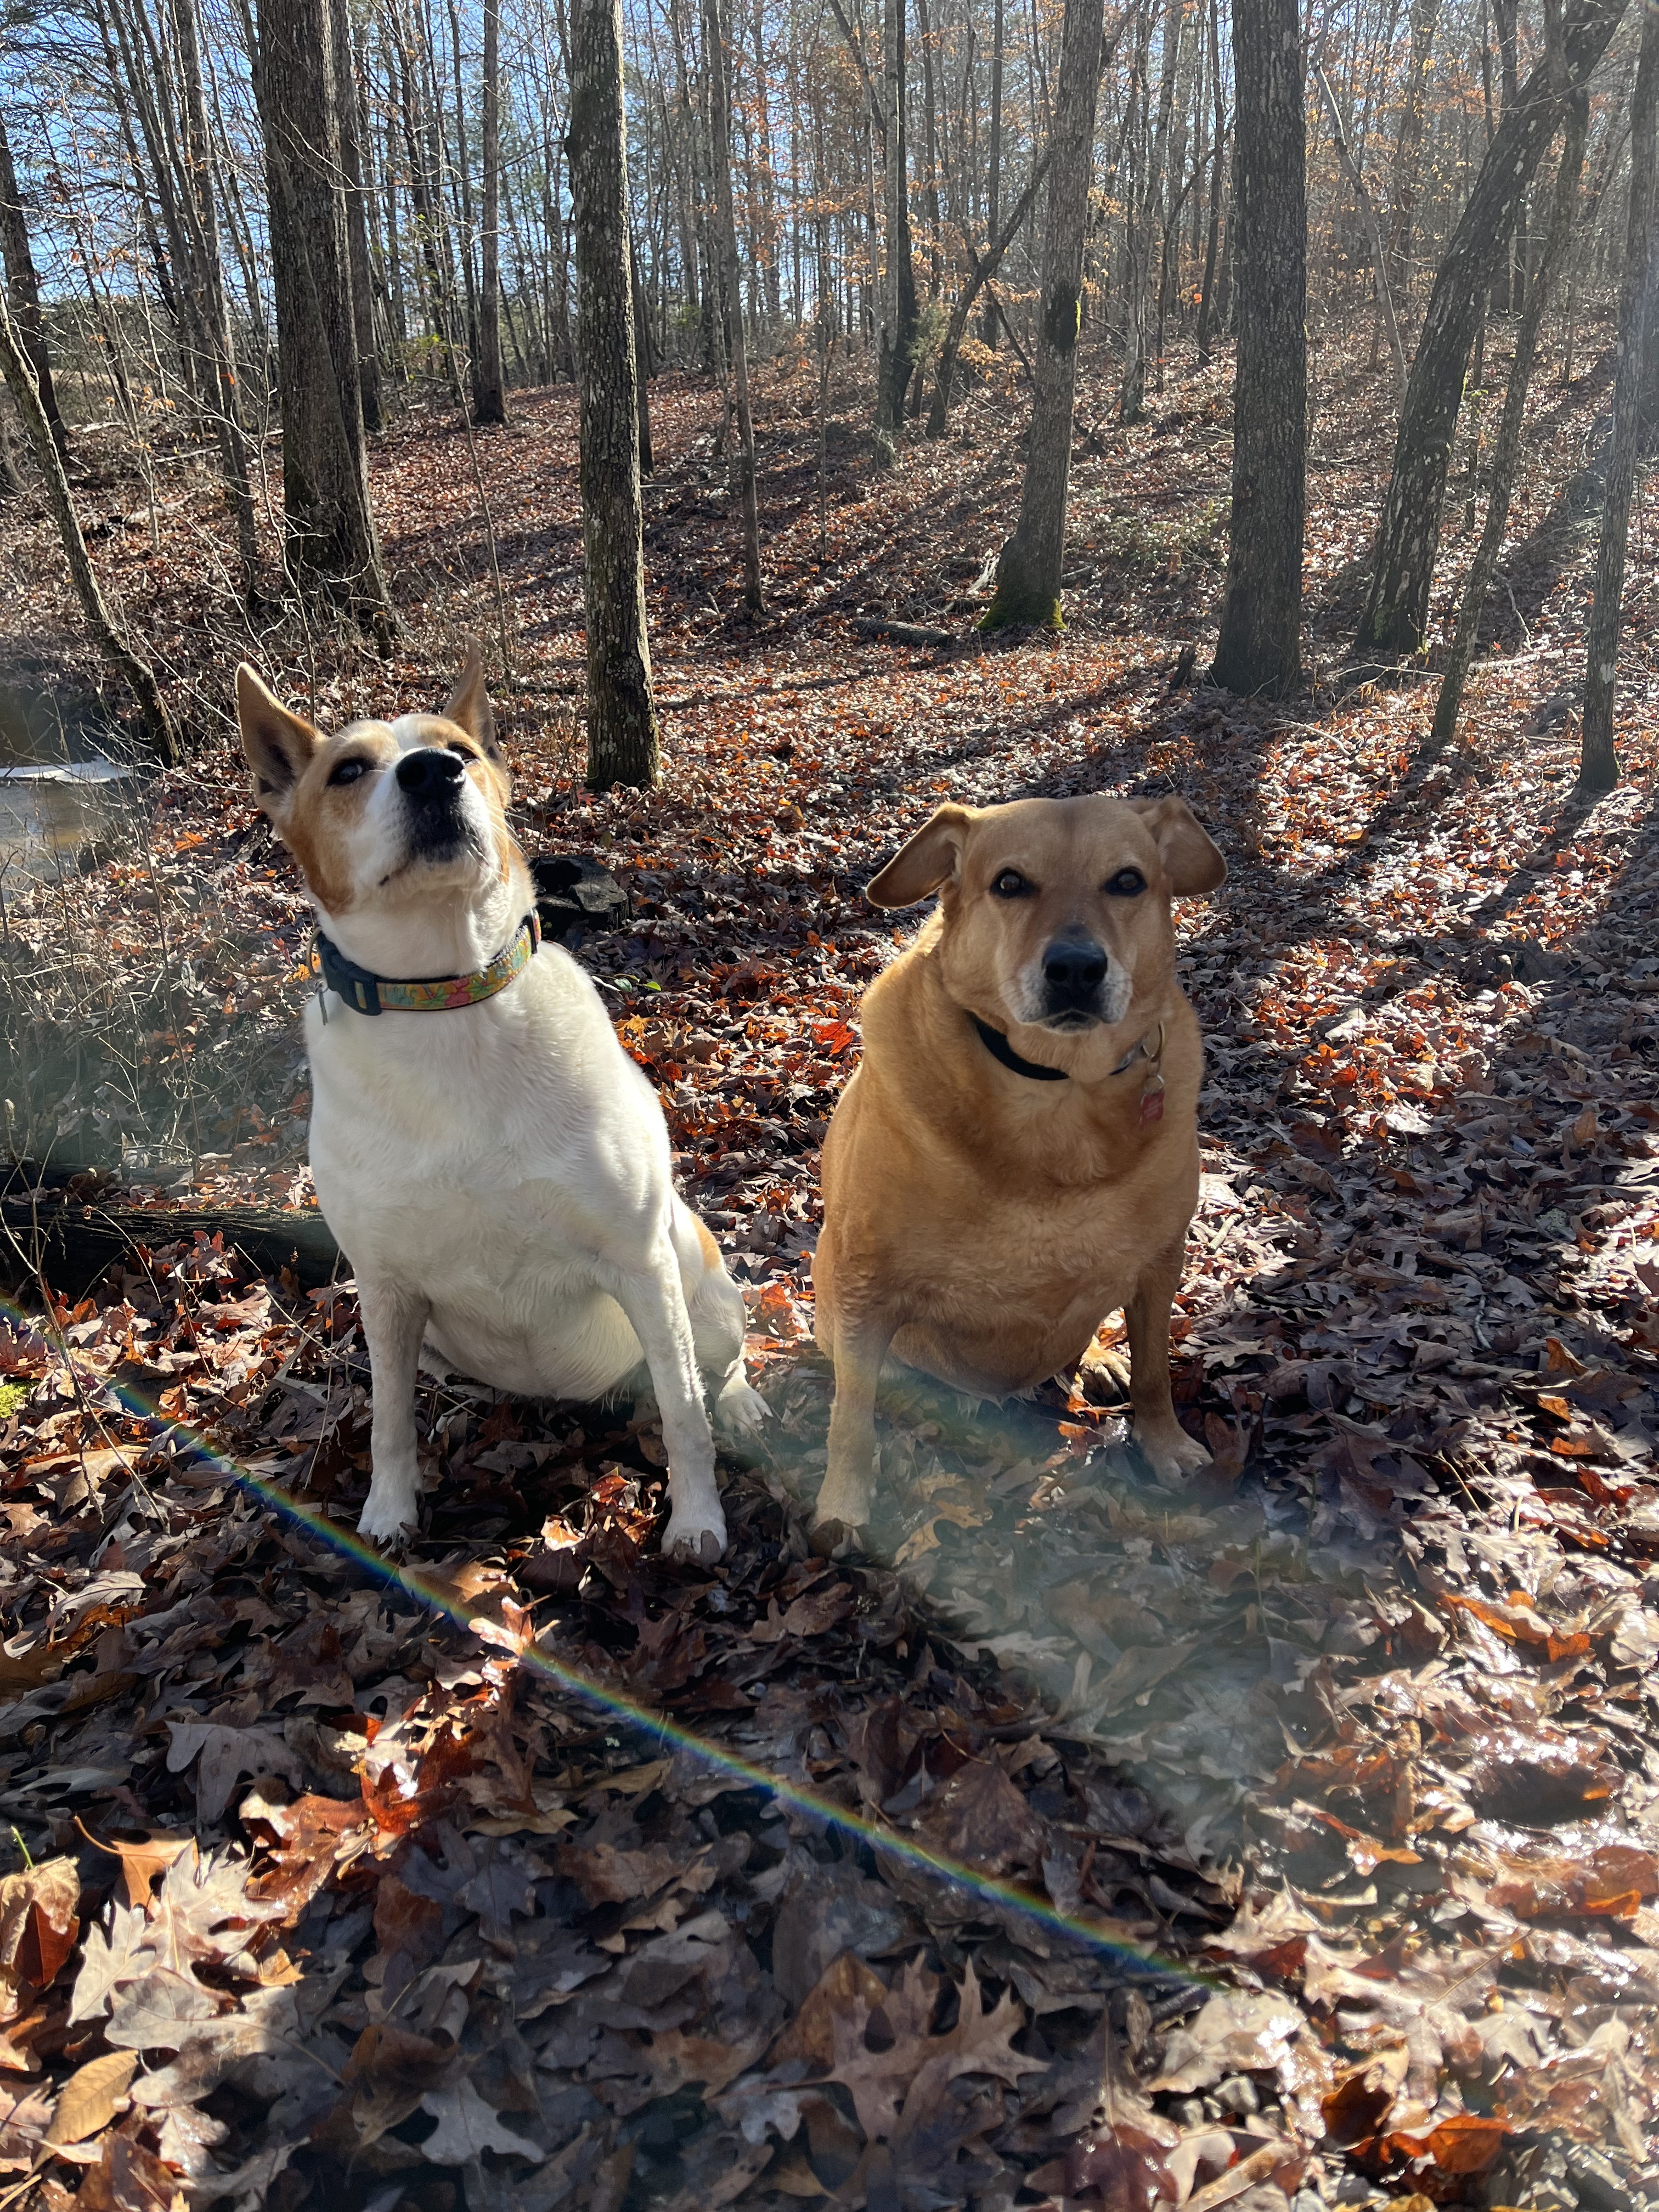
(621, 716)
(18, 372)
(489, 396)
(1028, 570)
(1598, 770)
(330, 544)
(743, 460)
(1506, 447)
(1260, 648)
(1408, 536)
(24, 285)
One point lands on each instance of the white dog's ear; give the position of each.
(468, 706)
(277, 745)
(933, 856)
(1191, 860)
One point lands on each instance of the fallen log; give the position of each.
(74, 1242)
(900, 632)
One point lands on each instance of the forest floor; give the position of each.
(1292, 1835)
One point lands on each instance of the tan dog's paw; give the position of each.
(695, 1534)
(1169, 1450)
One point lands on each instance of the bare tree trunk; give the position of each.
(1133, 398)
(994, 190)
(1408, 536)
(24, 287)
(356, 219)
(489, 399)
(1218, 175)
(1259, 649)
(1598, 770)
(1409, 146)
(1028, 568)
(743, 457)
(331, 546)
(1506, 450)
(18, 373)
(983, 269)
(1368, 214)
(896, 341)
(621, 715)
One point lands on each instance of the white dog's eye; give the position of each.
(1011, 885)
(349, 771)
(1128, 882)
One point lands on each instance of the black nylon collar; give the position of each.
(999, 1048)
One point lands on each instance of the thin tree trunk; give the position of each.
(1507, 447)
(1217, 175)
(1131, 399)
(24, 287)
(1368, 216)
(489, 399)
(357, 220)
(1409, 146)
(994, 187)
(1260, 648)
(983, 271)
(719, 124)
(621, 715)
(897, 346)
(1028, 568)
(1408, 536)
(1598, 770)
(18, 373)
(332, 544)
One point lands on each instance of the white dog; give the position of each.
(488, 1156)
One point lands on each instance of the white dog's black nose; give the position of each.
(1073, 967)
(430, 772)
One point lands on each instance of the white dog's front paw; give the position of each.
(695, 1533)
(390, 1512)
(741, 1408)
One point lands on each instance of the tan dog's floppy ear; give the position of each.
(932, 856)
(1191, 859)
(277, 745)
(468, 706)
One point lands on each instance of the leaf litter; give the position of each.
(1343, 1755)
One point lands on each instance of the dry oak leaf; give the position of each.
(91, 2098)
(108, 1959)
(206, 1910)
(158, 2011)
(224, 1755)
(981, 1820)
(466, 2126)
(129, 2178)
(896, 2087)
(142, 1863)
(1231, 2035)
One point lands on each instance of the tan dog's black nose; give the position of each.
(430, 772)
(1073, 967)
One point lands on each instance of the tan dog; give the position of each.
(1017, 1156)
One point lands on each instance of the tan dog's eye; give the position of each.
(347, 771)
(1011, 884)
(1128, 882)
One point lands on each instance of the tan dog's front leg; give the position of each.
(394, 1320)
(860, 1347)
(1166, 1444)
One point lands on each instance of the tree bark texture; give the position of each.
(1028, 568)
(897, 345)
(1408, 536)
(742, 458)
(490, 398)
(621, 716)
(1637, 305)
(1506, 448)
(1260, 648)
(984, 268)
(18, 372)
(23, 286)
(356, 216)
(330, 541)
